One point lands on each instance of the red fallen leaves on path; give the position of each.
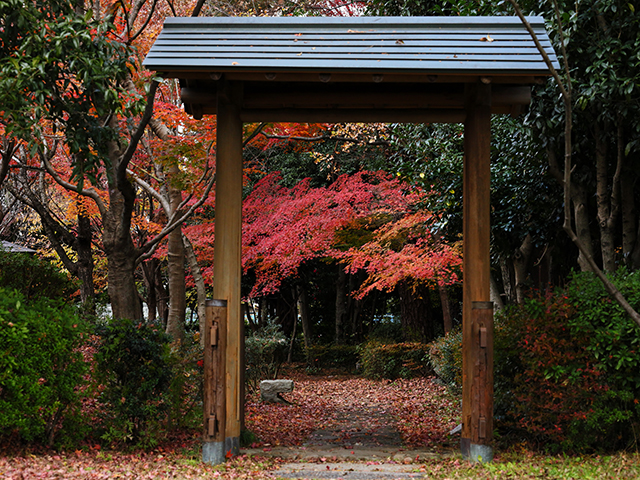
(422, 411)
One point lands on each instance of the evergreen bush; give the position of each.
(340, 357)
(134, 373)
(41, 368)
(185, 390)
(445, 357)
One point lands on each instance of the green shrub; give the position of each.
(133, 368)
(265, 351)
(41, 367)
(566, 367)
(395, 360)
(614, 339)
(341, 357)
(445, 357)
(554, 382)
(33, 277)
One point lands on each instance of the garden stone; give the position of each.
(270, 390)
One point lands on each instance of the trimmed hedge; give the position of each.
(33, 277)
(445, 357)
(394, 360)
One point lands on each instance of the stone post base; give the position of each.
(476, 453)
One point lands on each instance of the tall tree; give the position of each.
(75, 74)
(566, 87)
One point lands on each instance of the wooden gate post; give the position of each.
(227, 245)
(477, 311)
(214, 391)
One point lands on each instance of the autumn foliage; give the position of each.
(368, 220)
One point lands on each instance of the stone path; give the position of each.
(369, 428)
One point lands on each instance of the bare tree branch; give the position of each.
(146, 22)
(124, 160)
(151, 191)
(321, 138)
(197, 8)
(254, 134)
(173, 222)
(9, 148)
(87, 192)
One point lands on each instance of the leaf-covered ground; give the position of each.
(421, 410)
(141, 466)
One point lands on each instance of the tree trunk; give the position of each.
(149, 269)
(578, 197)
(582, 230)
(295, 326)
(84, 263)
(520, 263)
(303, 308)
(162, 297)
(494, 292)
(607, 197)
(263, 312)
(175, 264)
(201, 289)
(116, 239)
(507, 279)
(629, 220)
(341, 304)
(353, 307)
(416, 314)
(125, 302)
(447, 321)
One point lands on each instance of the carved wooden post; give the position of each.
(227, 246)
(477, 310)
(214, 391)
